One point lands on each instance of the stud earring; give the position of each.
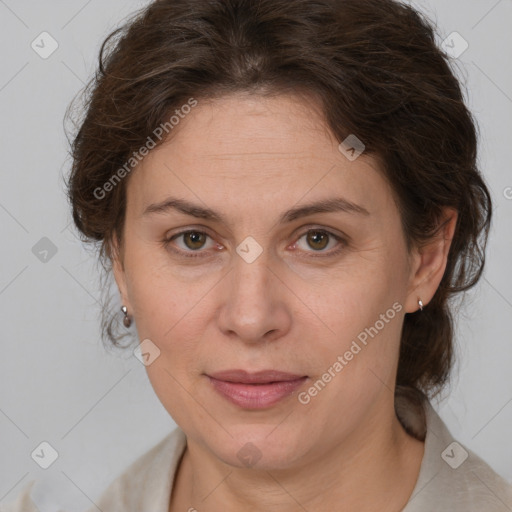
(420, 304)
(127, 321)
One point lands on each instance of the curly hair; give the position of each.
(376, 70)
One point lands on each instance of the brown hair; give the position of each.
(376, 70)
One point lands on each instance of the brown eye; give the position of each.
(320, 241)
(191, 244)
(194, 239)
(317, 240)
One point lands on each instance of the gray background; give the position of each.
(97, 409)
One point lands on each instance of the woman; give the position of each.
(287, 194)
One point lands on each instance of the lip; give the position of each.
(261, 377)
(255, 390)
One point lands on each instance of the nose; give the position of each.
(255, 303)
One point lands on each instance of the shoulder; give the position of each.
(452, 477)
(23, 502)
(144, 485)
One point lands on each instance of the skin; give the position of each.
(296, 308)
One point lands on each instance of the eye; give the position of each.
(319, 240)
(194, 239)
(192, 242)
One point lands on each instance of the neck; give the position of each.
(373, 470)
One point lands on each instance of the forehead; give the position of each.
(253, 128)
(246, 148)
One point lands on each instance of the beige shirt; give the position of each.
(451, 478)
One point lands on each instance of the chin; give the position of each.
(259, 446)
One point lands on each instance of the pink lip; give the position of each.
(255, 390)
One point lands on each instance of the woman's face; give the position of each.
(260, 283)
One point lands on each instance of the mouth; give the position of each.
(258, 390)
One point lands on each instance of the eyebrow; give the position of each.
(337, 204)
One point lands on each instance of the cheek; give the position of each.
(177, 329)
(158, 300)
(363, 328)
(357, 363)
(361, 313)
(354, 297)
(172, 316)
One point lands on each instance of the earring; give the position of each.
(420, 304)
(127, 321)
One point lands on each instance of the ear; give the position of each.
(116, 256)
(428, 263)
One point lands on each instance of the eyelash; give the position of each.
(199, 253)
